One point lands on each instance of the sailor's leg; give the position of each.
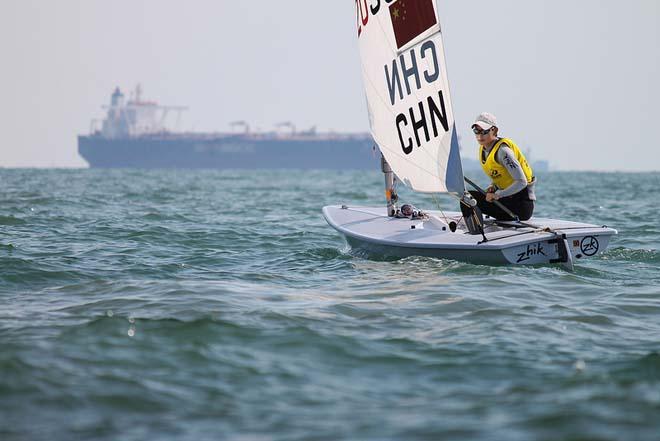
(390, 193)
(526, 210)
(519, 204)
(474, 219)
(496, 212)
(491, 209)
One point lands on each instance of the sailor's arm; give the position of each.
(506, 157)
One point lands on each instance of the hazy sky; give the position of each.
(575, 80)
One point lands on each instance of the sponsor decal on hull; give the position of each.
(535, 253)
(535, 249)
(589, 245)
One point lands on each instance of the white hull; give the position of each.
(370, 230)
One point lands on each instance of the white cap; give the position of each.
(485, 121)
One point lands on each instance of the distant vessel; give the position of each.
(133, 135)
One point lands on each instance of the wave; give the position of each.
(641, 370)
(632, 255)
(11, 221)
(24, 272)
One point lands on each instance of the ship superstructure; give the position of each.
(135, 117)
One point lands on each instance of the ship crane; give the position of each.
(288, 124)
(246, 126)
(166, 109)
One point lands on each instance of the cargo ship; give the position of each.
(133, 134)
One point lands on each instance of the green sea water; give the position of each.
(219, 305)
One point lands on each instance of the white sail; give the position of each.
(405, 77)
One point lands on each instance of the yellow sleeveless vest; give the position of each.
(497, 172)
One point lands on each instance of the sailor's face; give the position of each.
(484, 137)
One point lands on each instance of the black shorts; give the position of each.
(520, 204)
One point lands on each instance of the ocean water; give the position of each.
(218, 305)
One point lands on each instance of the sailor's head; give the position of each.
(485, 127)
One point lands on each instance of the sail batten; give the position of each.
(405, 78)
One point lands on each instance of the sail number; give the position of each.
(364, 8)
(416, 70)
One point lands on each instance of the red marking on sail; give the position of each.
(410, 18)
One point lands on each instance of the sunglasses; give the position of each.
(480, 131)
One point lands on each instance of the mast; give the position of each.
(390, 193)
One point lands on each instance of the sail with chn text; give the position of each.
(410, 111)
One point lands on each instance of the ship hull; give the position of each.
(232, 152)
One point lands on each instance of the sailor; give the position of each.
(512, 179)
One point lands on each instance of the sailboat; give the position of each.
(412, 123)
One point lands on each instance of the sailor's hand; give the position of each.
(490, 197)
